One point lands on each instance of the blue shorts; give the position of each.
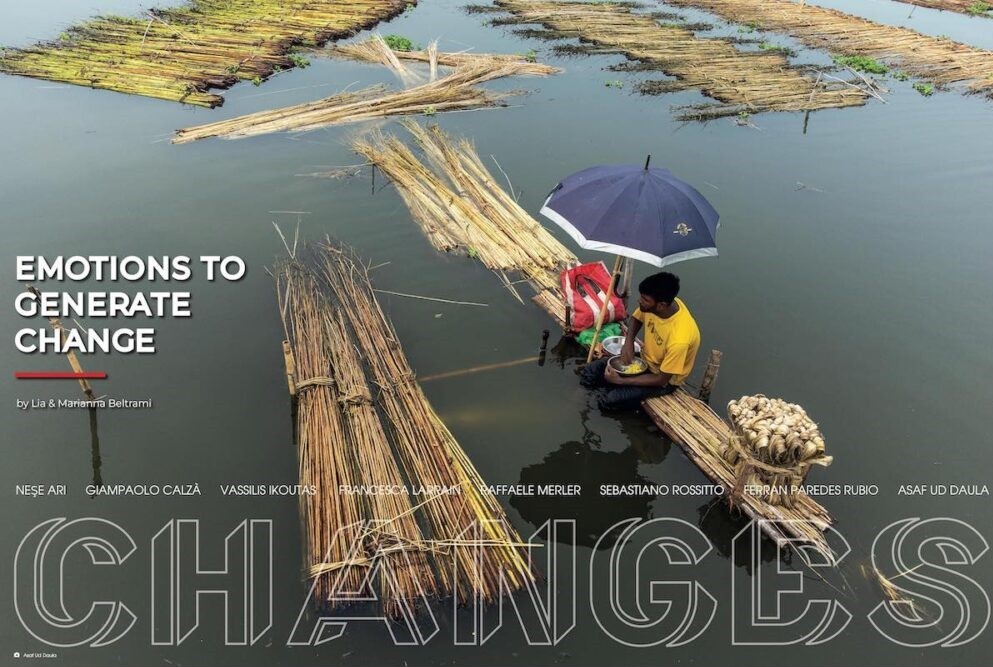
(614, 396)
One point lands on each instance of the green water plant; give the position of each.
(861, 64)
(925, 89)
(398, 43)
(980, 8)
(778, 48)
(614, 83)
(298, 60)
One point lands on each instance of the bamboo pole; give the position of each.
(77, 367)
(603, 307)
(710, 375)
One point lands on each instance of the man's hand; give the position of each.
(612, 376)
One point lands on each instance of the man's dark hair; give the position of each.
(661, 287)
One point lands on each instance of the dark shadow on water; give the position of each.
(720, 523)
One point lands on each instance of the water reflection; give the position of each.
(95, 461)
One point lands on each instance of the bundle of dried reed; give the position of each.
(702, 435)
(460, 207)
(742, 81)
(936, 59)
(970, 7)
(457, 91)
(351, 438)
(181, 53)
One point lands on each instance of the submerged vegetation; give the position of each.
(183, 53)
(753, 81)
(972, 7)
(398, 43)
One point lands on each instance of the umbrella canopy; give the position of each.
(640, 212)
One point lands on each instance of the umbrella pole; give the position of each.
(603, 307)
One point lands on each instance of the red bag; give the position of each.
(585, 287)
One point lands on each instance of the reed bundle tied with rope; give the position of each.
(454, 92)
(741, 81)
(703, 436)
(461, 208)
(936, 59)
(182, 53)
(364, 422)
(772, 446)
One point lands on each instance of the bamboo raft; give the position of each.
(182, 53)
(700, 432)
(939, 60)
(740, 81)
(454, 92)
(362, 420)
(459, 206)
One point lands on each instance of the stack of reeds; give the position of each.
(772, 447)
(461, 208)
(457, 91)
(702, 435)
(936, 59)
(741, 81)
(376, 50)
(970, 7)
(363, 421)
(182, 53)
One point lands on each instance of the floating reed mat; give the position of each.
(971, 7)
(936, 59)
(363, 422)
(461, 208)
(703, 436)
(376, 50)
(455, 92)
(741, 81)
(181, 54)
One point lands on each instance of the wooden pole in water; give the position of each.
(603, 307)
(77, 368)
(710, 375)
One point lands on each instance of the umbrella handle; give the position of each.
(603, 307)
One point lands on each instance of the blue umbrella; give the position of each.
(640, 212)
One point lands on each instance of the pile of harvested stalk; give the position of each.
(970, 7)
(376, 50)
(182, 53)
(461, 208)
(936, 59)
(741, 81)
(363, 421)
(772, 447)
(702, 435)
(457, 91)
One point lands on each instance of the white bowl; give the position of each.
(613, 344)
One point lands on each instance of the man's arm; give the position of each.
(627, 352)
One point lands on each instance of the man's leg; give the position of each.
(619, 397)
(592, 374)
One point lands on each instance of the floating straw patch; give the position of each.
(368, 423)
(461, 208)
(750, 81)
(971, 7)
(938, 60)
(181, 54)
(457, 91)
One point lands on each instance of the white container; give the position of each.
(613, 345)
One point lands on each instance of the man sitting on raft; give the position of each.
(671, 343)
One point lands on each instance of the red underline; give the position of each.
(44, 375)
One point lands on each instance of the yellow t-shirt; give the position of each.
(671, 343)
